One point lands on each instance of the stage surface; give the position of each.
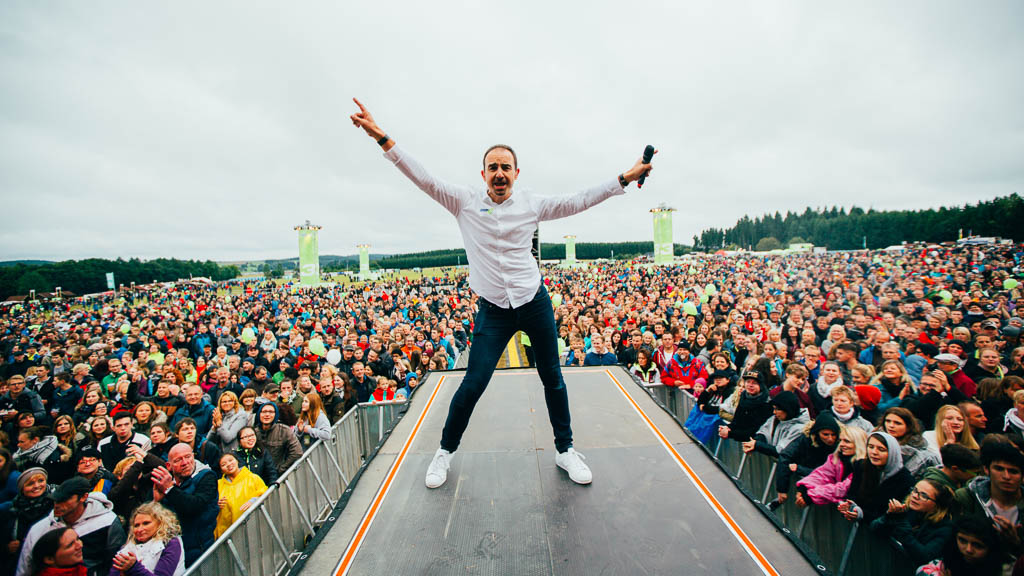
(506, 509)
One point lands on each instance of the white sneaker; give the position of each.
(437, 472)
(572, 462)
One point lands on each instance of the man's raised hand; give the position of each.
(363, 119)
(638, 170)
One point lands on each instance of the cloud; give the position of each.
(207, 131)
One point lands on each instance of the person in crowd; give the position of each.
(313, 424)
(114, 448)
(91, 404)
(227, 419)
(829, 379)
(37, 448)
(894, 383)
(997, 403)
(901, 425)
(996, 495)
(162, 439)
(203, 450)
(974, 550)
(951, 365)
(30, 505)
(91, 516)
(720, 390)
(144, 415)
(90, 466)
(811, 449)
(950, 427)
(59, 552)
(845, 409)
(752, 410)
(794, 381)
(935, 391)
(876, 480)
(644, 368)
(599, 355)
(250, 454)
(66, 432)
(154, 547)
(683, 370)
(196, 408)
(189, 489)
(976, 419)
(9, 476)
(238, 488)
(960, 464)
(785, 426)
(829, 483)
(277, 438)
(921, 524)
(135, 485)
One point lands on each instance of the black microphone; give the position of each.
(648, 154)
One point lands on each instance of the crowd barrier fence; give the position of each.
(836, 545)
(274, 531)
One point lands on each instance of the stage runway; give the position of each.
(506, 509)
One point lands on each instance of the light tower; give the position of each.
(663, 247)
(364, 261)
(570, 250)
(309, 253)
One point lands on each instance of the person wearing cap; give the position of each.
(90, 466)
(19, 364)
(497, 227)
(91, 516)
(950, 365)
(752, 409)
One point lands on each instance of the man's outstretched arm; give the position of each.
(453, 198)
(554, 207)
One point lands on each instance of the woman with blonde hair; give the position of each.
(154, 542)
(950, 428)
(894, 383)
(313, 423)
(921, 523)
(228, 418)
(829, 483)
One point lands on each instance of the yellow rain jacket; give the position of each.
(243, 488)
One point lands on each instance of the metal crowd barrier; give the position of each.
(274, 531)
(844, 548)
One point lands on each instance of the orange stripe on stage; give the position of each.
(744, 540)
(371, 513)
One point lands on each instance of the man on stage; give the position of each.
(497, 230)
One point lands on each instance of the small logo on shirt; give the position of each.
(487, 210)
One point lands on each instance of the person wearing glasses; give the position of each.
(921, 523)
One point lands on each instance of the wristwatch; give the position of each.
(383, 140)
(622, 180)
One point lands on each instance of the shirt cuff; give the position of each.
(394, 154)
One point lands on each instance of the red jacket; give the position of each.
(683, 373)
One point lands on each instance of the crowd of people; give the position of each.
(889, 386)
(136, 431)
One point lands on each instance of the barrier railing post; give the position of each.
(803, 521)
(848, 549)
(743, 462)
(768, 483)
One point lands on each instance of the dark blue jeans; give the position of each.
(492, 331)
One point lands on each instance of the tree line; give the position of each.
(839, 229)
(90, 276)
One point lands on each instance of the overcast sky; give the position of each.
(208, 129)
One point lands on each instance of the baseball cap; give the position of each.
(950, 358)
(754, 375)
(77, 486)
(993, 324)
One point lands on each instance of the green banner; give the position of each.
(570, 251)
(309, 257)
(663, 237)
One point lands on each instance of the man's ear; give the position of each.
(482, 176)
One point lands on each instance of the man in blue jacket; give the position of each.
(189, 489)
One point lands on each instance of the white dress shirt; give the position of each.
(498, 237)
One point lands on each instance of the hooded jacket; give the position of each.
(101, 533)
(259, 462)
(775, 435)
(894, 483)
(806, 451)
(970, 500)
(242, 489)
(279, 441)
(194, 501)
